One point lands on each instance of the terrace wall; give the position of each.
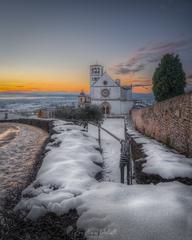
(169, 122)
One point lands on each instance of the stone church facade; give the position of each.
(107, 93)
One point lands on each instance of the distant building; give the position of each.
(45, 113)
(83, 100)
(108, 93)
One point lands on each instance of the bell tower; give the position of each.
(96, 71)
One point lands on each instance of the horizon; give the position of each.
(48, 46)
(56, 93)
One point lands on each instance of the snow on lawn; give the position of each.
(115, 126)
(148, 212)
(111, 147)
(161, 160)
(108, 211)
(68, 169)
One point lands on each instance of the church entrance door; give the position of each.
(106, 108)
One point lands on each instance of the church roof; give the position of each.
(127, 87)
(82, 94)
(105, 77)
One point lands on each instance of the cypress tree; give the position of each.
(168, 78)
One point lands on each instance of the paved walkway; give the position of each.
(111, 147)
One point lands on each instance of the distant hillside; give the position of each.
(150, 96)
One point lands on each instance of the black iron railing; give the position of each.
(125, 164)
(126, 161)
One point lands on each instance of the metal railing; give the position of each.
(131, 162)
(126, 160)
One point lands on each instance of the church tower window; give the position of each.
(96, 72)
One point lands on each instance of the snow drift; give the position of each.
(108, 211)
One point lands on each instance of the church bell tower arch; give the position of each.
(96, 72)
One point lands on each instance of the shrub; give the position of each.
(89, 113)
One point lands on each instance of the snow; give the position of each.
(111, 147)
(68, 170)
(161, 160)
(115, 126)
(108, 210)
(116, 211)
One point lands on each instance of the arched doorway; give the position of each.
(106, 108)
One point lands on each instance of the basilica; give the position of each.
(109, 94)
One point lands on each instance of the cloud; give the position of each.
(153, 59)
(141, 49)
(149, 54)
(167, 47)
(4, 84)
(127, 68)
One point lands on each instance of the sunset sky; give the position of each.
(48, 45)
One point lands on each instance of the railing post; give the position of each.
(125, 128)
(130, 160)
(129, 165)
(125, 161)
(128, 174)
(122, 173)
(99, 134)
(125, 132)
(86, 126)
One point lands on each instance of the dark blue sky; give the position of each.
(54, 40)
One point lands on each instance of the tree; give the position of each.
(89, 113)
(169, 78)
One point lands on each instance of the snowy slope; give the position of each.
(108, 210)
(138, 212)
(161, 160)
(68, 170)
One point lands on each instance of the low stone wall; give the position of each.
(14, 195)
(46, 125)
(13, 224)
(169, 122)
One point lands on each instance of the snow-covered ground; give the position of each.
(68, 170)
(137, 212)
(160, 159)
(111, 147)
(108, 210)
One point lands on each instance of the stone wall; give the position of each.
(46, 125)
(169, 121)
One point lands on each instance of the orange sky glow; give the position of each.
(42, 82)
(54, 82)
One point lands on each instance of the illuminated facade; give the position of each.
(108, 93)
